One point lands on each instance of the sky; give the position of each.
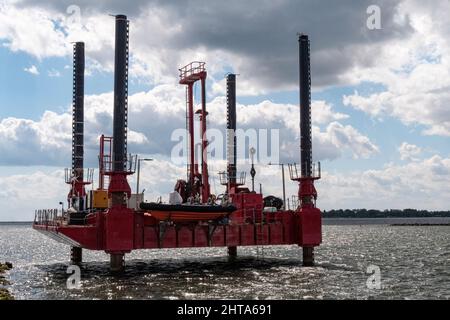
(380, 93)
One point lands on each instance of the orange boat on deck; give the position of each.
(186, 213)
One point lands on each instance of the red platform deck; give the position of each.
(114, 233)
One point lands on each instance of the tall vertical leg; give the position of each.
(232, 252)
(117, 263)
(205, 180)
(308, 256)
(191, 137)
(76, 255)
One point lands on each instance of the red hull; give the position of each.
(115, 232)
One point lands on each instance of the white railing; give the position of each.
(192, 68)
(130, 164)
(49, 217)
(86, 175)
(295, 171)
(239, 178)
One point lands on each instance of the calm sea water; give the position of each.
(414, 263)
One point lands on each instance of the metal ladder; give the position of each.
(259, 237)
(126, 92)
(77, 132)
(187, 133)
(105, 162)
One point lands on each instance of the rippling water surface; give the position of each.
(414, 264)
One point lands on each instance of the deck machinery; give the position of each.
(105, 219)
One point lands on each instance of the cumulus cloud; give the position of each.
(22, 194)
(155, 114)
(48, 140)
(390, 187)
(165, 35)
(328, 144)
(32, 30)
(338, 138)
(27, 142)
(409, 151)
(411, 48)
(53, 73)
(33, 70)
(322, 113)
(393, 186)
(414, 72)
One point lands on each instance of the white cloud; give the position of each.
(32, 30)
(176, 38)
(21, 195)
(322, 113)
(152, 117)
(391, 187)
(48, 140)
(328, 144)
(245, 86)
(415, 72)
(23, 142)
(345, 138)
(268, 111)
(33, 70)
(409, 151)
(394, 186)
(53, 73)
(155, 114)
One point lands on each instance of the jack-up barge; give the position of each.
(114, 220)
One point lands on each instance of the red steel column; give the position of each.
(310, 216)
(205, 182)
(191, 135)
(119, 218)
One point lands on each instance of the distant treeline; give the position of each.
(370, 213)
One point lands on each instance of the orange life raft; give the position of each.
(186, 212)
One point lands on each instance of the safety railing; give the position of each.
(295, 171)
(192, 68)
(50, 217)
(239, 178)
(129, 165)
(72, 175)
